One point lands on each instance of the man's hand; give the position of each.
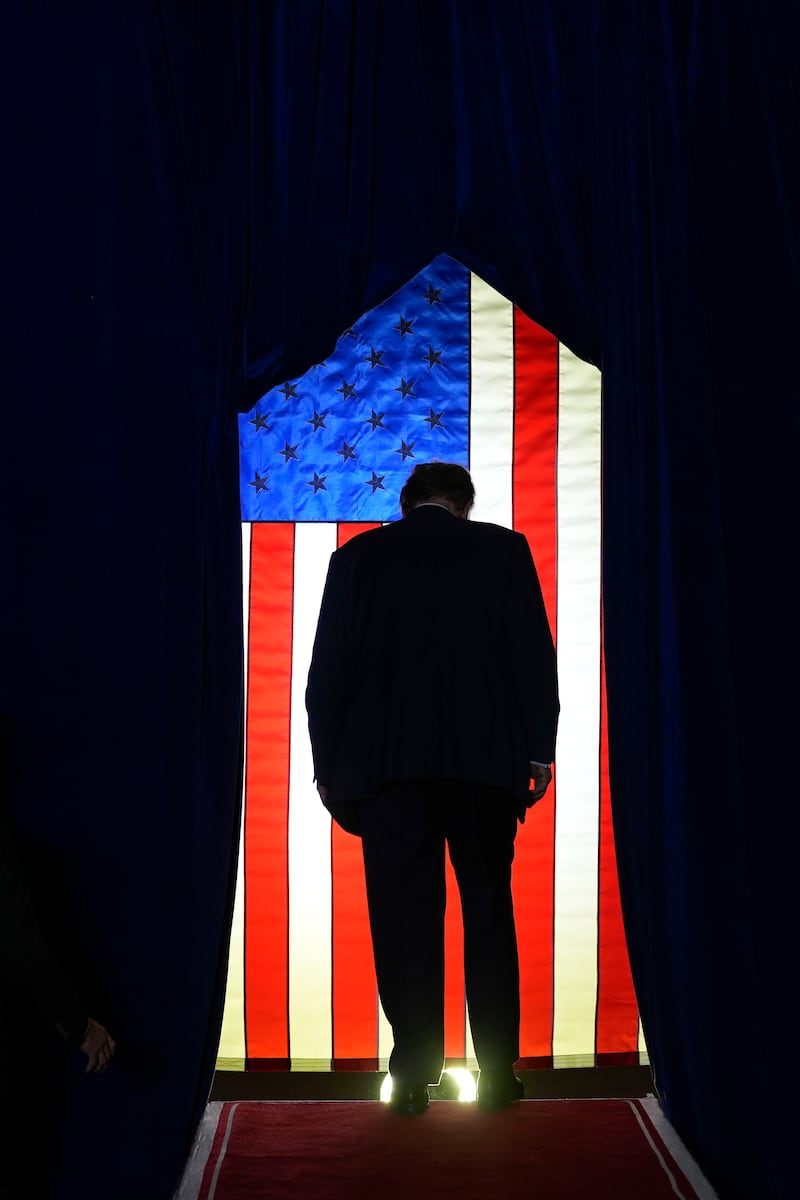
(99, 1047)
(322, 788)
(541, 777)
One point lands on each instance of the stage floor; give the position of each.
(560, 1084)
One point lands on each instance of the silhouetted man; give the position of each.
(432, 702)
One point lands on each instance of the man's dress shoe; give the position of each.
(496, 1089)
(409, 1098)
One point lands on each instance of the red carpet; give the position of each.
(569, 1149)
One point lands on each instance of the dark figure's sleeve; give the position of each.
(330, 670)
(26, 961)
(533, 655)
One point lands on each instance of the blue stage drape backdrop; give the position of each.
(202, 198)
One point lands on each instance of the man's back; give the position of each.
(433, 658)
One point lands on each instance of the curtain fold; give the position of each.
(120, 605)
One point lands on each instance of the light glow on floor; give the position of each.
(467, 1087)
(464, 1080)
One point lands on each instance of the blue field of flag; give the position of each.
(338, 443)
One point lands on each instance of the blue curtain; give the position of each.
(205, 196)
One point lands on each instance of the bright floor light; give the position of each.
(464, 1080)
(467, 1087)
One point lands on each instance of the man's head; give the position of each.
(438, 483)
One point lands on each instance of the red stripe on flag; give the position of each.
(354, 989)
(534, 500)
(617, 1010)
(267, 792)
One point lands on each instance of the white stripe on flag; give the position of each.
(385, 1039)
(232, 1047)
(491, 406)
(491, 437)
(310, 1029)
(644, 1054)
(578, 623)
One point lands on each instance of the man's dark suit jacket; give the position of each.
(433, 659)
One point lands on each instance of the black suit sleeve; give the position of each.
(533, 655)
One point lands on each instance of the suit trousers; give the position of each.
(404, 833)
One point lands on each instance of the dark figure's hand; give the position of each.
(541, 777)
(98, 1046)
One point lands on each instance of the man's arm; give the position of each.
(533, 662)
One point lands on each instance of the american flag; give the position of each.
(447, 369)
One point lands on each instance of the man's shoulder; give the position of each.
(488, 541)
(382, 537)
(494, 533)
(490, 529)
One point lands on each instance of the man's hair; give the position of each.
(438, 480)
